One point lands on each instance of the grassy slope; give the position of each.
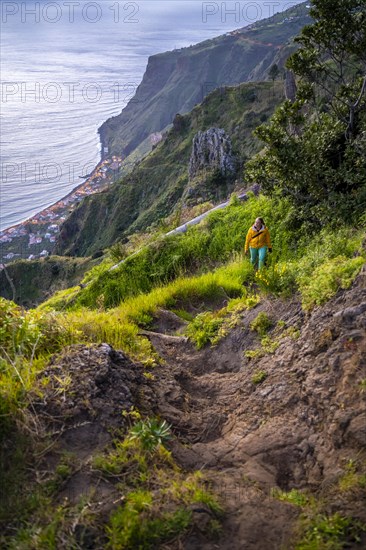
(216, 241)
(155, 186)
(315, 267)
(36, 280)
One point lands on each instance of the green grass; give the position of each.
(293, 497)
(158, 507)
(334, 274)
(28, 338)
(261, 324)
(317, 529)
(213, 243)
(330, 532)
(120, 326)
(134, 525)
(317, 265)
(210, 327)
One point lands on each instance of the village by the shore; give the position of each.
(36, 237)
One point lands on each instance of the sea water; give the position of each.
(67, 66)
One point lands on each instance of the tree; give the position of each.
(331, 59)
(273, 72)
(316, 144)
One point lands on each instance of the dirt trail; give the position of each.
(297, 429)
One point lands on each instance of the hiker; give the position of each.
(258, 242)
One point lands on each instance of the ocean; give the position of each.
(67, 66)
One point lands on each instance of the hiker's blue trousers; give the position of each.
(258, 255)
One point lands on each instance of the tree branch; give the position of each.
(10, 281)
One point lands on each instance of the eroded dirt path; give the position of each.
(297, 429)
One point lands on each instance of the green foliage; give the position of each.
(270, 344)
(35, 280)
(27, 340)
(212, 326)
(319, 530)
(29, 333)
(293, 497)
(354, 477)
(328, 278)
(273, 72)
(330, 532)
(157, 494)
(119, 326)
(98, 269)
(204, 328)
(151, 433)
(117, 252)
(277, 278)
(19, 331)
(135, 526)
(261, 324)
(203, 248)
(315, 145)
(259, 377)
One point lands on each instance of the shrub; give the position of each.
(259, 377)
(294, 496)
(204, 327)
(330, 532)
(211, 327)
(334, 274)
(261, 324)
(277, 278)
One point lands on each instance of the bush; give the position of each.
(261, 324)
(259, 377)
(328, 278)
(211, 327)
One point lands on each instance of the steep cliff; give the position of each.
(152, 190)
(175, 81)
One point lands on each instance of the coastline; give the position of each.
(36, 236)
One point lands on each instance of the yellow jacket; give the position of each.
(257, 239)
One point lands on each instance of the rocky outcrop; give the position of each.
(212, 150)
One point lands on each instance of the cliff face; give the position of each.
(176, 81)
(212, 150)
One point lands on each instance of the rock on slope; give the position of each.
(212, 150)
